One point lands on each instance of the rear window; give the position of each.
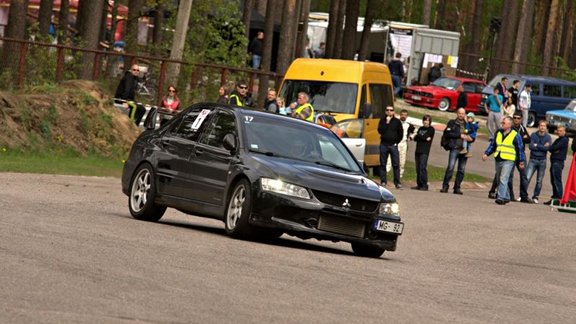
(569, 92)
(335, 97)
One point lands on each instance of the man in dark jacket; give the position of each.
(456, 132)
(558, 151)
(240, 97)
(391, 133)
(126, 91)
(256, 48)
(423, 139)
(396, 68)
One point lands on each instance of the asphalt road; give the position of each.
(70, 253)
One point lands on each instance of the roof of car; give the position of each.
(464, 79)
(533, 78)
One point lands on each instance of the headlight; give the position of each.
(389, 209)
(281, 187)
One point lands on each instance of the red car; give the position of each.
(442, 94)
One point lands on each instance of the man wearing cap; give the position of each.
(239, 97)
(524, 103)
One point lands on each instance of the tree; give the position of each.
(267, 50)
(550, 37)
(505, 43)
(350, 28)
(523, 36)
(247, 15)
(567, 30)
(45, 16)
(63, 19)
(16, 29)
(368, 20)
(426, 12)
(339, 24)
(131, 36)
(303, 40)
(332, 28)
(287, 37)
(179, 38)
(89, 33)
(158, 25)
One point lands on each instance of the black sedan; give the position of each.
(263, 175)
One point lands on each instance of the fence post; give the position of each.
(22, 64)
(59, 64)
(96, 66)
(161, 80)
(223, 75)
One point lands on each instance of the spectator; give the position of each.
(524, 103)
(222, 95)
(255, 48)
(472, 130)
(126, 92)
(508, 108)
(282, 109)
(456, 132)
(435, 72)
(507, 148)
(462, 97)
(540, 141)
(502, 87)
(558, 151)
(321, 51)
(391, 132)
(523, 132)
(271, 105)
(301, 109)
(171, 104)
(423, 139)
(240, 97)
(396, 68)
(493, 109)
(514, 91)
(407, 130)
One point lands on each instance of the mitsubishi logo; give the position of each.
(346, 204)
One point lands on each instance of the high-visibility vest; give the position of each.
(505, 146)
(238, 101)
(306, 105)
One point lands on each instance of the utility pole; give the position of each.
(179, 40)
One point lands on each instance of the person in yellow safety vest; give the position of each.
(508, 149)
(301, 109)
(240, 97)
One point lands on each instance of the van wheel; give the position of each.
(444, 104)
(531, 120)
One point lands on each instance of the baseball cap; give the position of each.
(471, 115)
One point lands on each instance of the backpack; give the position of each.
(445, 141)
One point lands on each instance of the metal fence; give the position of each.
(29, 63)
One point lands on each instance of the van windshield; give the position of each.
(335, 97)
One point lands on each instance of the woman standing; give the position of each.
(423, 139)
(171, 104)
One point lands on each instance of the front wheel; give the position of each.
(238, 211)
(444, 104)
(531, 119)
(142, 195)
(368, 251)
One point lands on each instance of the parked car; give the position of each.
(564, 117)
(547, 93)
(263, 175)
(442, 94)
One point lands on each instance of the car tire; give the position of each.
(531, 119)
(238, 211)
(444, 104)
(142, 195)
(368, 251)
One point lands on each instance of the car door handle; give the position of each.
(359, 145)
(199, 152)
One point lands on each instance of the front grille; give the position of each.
(341, 225)
(339, 201)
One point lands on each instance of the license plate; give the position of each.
(390, 227)
(414, 97)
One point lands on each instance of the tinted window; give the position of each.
(187, 129)
(569, 92)
(552, 90)
(324, 96)
(381, 97)
(223, 123)
(470, 87)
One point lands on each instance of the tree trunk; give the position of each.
(506, 39)
(247, 16)
(16, 28)
(541, 14)
(440, 19)
(350, 28)
(287, 36)
(550, 37)
(90, 34)
(523, 36)
(303, 41)
(426, 12)
(63, 19)
(567, 31)
(339, 24)
(131, 38)
(104, 23)
(179, 40)
(332, 29)
(158, 24)
(45, 17)
(295, 30)
(267, 50)
(368, 20)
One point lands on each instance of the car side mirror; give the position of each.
(150, 121)
(229, 142)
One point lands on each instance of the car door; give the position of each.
(176, 149)
(473, 95)
(210, 161)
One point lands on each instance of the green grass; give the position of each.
(49, 163)
(435, 174)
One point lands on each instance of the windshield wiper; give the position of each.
(331, 164)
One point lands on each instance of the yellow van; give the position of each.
(355, 93)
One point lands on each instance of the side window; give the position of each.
(363, 102)
(381, 97)
(569, 92)
(551, 90)
(536, 89)
(187, 129)
(469, 87)
(222, 124)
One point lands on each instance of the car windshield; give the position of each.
(286, 139)
(450, 84)
(335, 97)
(571, 106)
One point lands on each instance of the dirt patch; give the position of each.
(77, 115)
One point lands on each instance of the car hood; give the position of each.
(322, 178)
(428, 89)
(562, 113)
